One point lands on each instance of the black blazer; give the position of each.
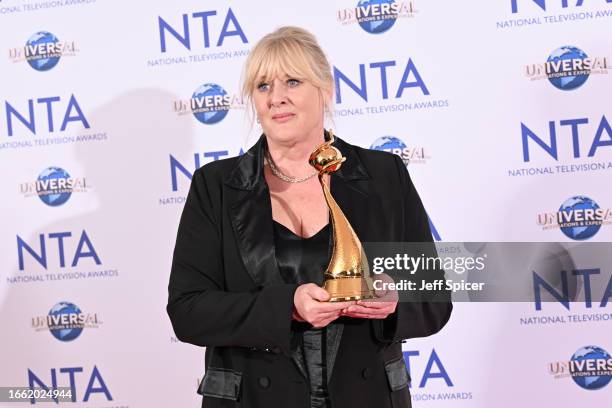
(226, 292)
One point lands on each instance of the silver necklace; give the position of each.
(284, 177)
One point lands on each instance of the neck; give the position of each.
(291, 158)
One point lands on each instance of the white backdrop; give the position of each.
(453, 89)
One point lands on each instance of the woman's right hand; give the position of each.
(311, 305)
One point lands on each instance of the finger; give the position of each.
(318, 293)
(387, 296)
(323, 307)
(371, 309)
(366, 316)
(376, 305)
(329, 315)
(385, 311)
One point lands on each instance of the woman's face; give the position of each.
(289, 109)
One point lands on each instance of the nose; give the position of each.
(278, 93)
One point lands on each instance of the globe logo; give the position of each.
(588, 360)
(576, 224)
(376, 23)
(564, 79)
(53, 186)
(63, 322)
(393, 145)
(210, 104)
(36, 55)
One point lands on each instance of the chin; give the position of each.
(285, 135)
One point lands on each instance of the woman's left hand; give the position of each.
(380, 307)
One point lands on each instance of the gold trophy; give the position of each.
(347, 276)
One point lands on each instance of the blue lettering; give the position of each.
(164, 26)
(361, 91)
(586, 274)
(41, 259)
(95, 375)
(71, 371)
(434, 231)
(216, 155)
(597, 142)
(230, 28)
(225, 32)
(527, 133)
(96, 383)
(73, 104)
(84, 241)
(434, 359)
(607, 294)
(10, 112)
(562, 298)
(175, 164)
(48, 101)
(35, 382)
(542, 4)
(418, 81)
(60, 244)
(407, 355)
(574, 124)
(204, 16)
(383, 74)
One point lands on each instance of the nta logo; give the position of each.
(230, 28)
(514, 4)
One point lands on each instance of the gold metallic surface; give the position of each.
(347, 276)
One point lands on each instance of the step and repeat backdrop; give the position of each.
(500, 109)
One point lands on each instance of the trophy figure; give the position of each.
(347, 276)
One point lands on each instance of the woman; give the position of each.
(253, 243)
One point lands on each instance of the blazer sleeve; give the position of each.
(415, 319)
(202, 312)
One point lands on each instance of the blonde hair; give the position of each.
(290, 51)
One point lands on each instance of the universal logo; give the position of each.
(579, 218)
(409, 155)
(65, 321)
(590, 367)
(209, 104)
(376, 17)
(54, 186)
(567, 68)
(43, 51)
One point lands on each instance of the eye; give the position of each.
(263, 87)
(292, 83)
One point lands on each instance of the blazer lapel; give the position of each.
(250, 211)
(251, 216)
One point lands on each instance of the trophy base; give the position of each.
(349, 288)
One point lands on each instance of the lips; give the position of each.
(282, 117)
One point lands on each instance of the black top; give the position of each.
(303, 260)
